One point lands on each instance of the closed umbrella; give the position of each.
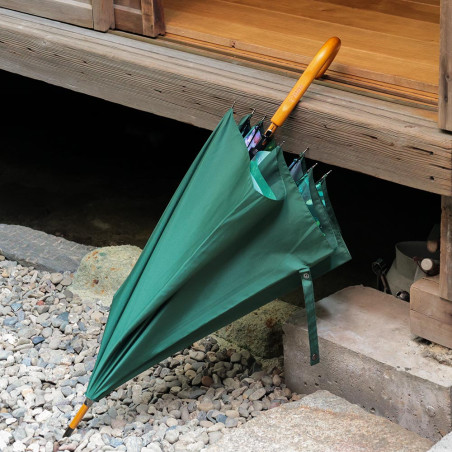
(235, 235)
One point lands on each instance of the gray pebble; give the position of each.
(56, 278)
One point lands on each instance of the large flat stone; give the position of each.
(40, 250)
(369, 357)
(320, 422)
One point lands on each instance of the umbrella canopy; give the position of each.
(236, 234)
(221, 250)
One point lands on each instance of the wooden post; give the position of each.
(445, 67)
(103, 15)
(153, 18)
(445, 278)
(431, 298)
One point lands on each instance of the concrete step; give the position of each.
(320, 422)
(369, 357)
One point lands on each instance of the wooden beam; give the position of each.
(445, 280)
(103, 15)
(76, 12)
(383, 139)
(445, 67)
(430, 315)
(144, 17)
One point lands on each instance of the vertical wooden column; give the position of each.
(103, 15)
(431, 298)
(445, 67)
(143, 17)
(153, 18)
(445, 278)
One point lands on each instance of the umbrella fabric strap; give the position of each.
(308, 290)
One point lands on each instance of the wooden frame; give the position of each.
(445, 279)
(97, 14)
(143, 17)
(445, 67)
(103, 15)
(431, 298)
(383, 139)
(76, 12)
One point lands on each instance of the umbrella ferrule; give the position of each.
(78, 417)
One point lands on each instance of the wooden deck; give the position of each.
(391, 42)
(389, 140)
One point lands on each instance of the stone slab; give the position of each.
(40, 250)
(320, 422)
(443, 445)
(369, 357)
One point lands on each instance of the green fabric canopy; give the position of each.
(220, 250)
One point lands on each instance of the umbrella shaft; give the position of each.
(78, 417)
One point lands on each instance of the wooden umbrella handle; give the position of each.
(316, 68)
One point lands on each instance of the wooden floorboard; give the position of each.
(379, 43)
(361, 19)
(383, 139)
(346, 81)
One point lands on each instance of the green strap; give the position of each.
(308, 290)
(260, 180)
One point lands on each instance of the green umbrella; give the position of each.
(235, 235)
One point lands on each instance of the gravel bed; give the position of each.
(48, 343)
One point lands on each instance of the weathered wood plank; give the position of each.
(103, 15)
(431, 329)
(386, 140)
(128, 18)
(144, 18)
(445, 280)
(425, 300)
(430, 315)
(76, 12)
(445, 67)
(153, 18)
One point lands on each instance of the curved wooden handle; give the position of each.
(316, 68)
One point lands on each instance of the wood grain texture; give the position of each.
(445, 280)
(145, 17)
(103, 15)
(377, 89)
(386, 140)
(431, 329)
(430, 315)
(379, 44)
(425, 300)
(76, 12)
(445, 67)
(153, 18)
(128, 18)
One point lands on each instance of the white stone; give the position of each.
(152, 447)
(43, 416)
(172, 436)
